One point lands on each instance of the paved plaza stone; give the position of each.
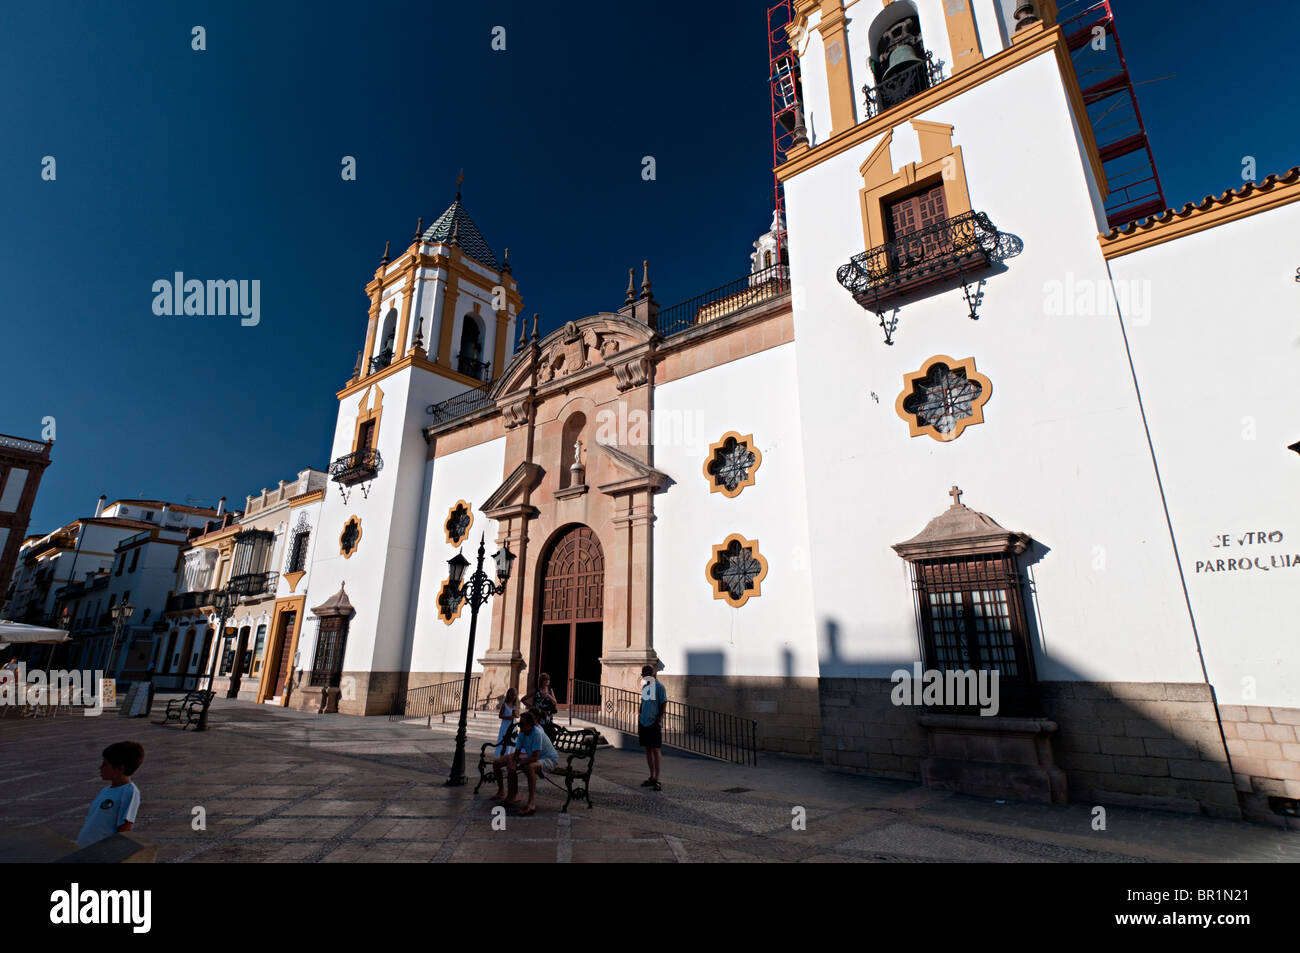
(278, 785)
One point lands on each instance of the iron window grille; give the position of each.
(327, 667)
(298, 551)
(971, 616)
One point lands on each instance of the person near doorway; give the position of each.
(534, 755)
(544, 705)
(654, 698)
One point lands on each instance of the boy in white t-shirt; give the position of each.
(114, 808)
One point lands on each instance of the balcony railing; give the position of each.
(472, 368)
(902, 85)
(382, 360)
(460, 405)
(190, 601)
(957, 247)
(356, 467)
(734, 296)
(252, 584)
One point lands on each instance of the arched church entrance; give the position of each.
(570, 639)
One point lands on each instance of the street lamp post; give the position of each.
(221, 601)
(476, 590)
(120, 614)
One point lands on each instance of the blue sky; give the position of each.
(225, 163)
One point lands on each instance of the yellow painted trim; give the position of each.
(294, 578)
(835, 46)
(1050, 40)
(723, 594)
(977, 406)
(303, 499)
(351, 519)
(404, 322)
(447, 533)
(365, 414)
(748, 441)
(298, 604)
(963, 38)
(1273, 192)
(941, 163)
(355, 386)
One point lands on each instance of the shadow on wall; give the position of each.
(1136, 744)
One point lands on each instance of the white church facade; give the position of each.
(962, 424)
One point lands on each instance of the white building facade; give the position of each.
(946, 424)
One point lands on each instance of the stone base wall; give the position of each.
(1143, 744)
(786, 709)
(864, 732)
(1264, 744)
(1134, 744)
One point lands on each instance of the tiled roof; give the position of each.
(1209, 203)
(470, 238)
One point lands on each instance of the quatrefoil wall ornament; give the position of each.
(447, 612)
(943, 398)
(350, 538)
(459, 519)
(736, 570)
(732, 463)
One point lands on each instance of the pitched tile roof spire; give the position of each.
(470, 240)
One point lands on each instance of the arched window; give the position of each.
(470, 360)
(387, 342)
(900, 63)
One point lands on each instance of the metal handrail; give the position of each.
(358, 465)
(903, 85)
(713, 734)
(440, 699)
(460, 405)
(249, 584)
(727, 299)
(472, 367)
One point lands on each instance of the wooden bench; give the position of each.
(578, 745)
(187, 710)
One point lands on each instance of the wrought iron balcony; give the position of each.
(472, 368)
(382, 360)
(460, 405)
(901, 85)
(253, 584)
(957, 247)
(356, 467)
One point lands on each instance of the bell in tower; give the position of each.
(898, 48)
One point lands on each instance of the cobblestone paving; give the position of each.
(278, 785)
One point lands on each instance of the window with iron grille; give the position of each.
(298, 551)
(327, 669)
(973, 619)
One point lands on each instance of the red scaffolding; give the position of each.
(1111, 101)
(783, 83)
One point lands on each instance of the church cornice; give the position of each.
(1251, 199)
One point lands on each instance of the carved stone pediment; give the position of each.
(590, 342)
